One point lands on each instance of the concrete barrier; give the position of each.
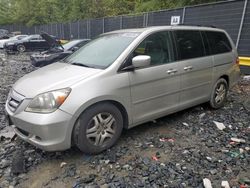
(245, 65)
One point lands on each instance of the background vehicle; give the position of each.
(17, 37)
(119, 80)
(29, 43)
(4, 34)
(57, 53)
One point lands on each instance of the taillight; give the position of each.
(237, 61)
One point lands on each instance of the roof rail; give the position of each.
(198, 25)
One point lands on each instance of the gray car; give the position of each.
(119, 80)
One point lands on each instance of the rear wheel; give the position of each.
(21, 48)
(219, 94)
(98, 128)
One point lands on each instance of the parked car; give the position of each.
(4, 34)
(119, 80)
(57, 53)
(15, 38)
(29, 43)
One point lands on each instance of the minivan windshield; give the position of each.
(102, 51)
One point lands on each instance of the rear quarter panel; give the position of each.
(225, 65)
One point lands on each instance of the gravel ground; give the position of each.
(178, 150)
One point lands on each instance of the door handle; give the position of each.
(170, 71)
(188, 68)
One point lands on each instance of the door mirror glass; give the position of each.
(141, 61)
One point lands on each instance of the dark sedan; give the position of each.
(29, 43)
(57, 53)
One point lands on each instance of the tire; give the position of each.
(21, 48)
(219, 94)
(98, 128)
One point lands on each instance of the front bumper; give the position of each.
(50, 132)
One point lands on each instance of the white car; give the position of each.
(17, 37)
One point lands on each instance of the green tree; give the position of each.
(34, 12)
(6, 11)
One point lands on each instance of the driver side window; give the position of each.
(158, 46)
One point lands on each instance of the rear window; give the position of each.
(218, 42)
(189, 44)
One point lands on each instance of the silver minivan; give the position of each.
(119, 80)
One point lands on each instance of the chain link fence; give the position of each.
(232, 15)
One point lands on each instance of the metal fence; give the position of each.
(232, 15)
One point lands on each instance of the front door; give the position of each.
(33, 43)
(155, 89)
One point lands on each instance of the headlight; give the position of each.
(48, 102)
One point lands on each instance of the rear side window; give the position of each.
(189, 44)
(218, 42)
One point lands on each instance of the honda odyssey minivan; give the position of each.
(119, 80)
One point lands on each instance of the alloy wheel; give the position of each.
(21, 48)
(101, 129)
(220, 93)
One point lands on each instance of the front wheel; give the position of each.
(219, 94)
(21, 48)
(98, 128)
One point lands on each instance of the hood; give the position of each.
(52, 77)
(50, 40)
(4, 40)
(13, 41)
(53, 50)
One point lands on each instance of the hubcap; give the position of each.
(21, 48)
(220, 93)
(101, 129)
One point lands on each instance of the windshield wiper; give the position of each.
(82, 65)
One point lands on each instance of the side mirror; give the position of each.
(74, 48)
(141, 61)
